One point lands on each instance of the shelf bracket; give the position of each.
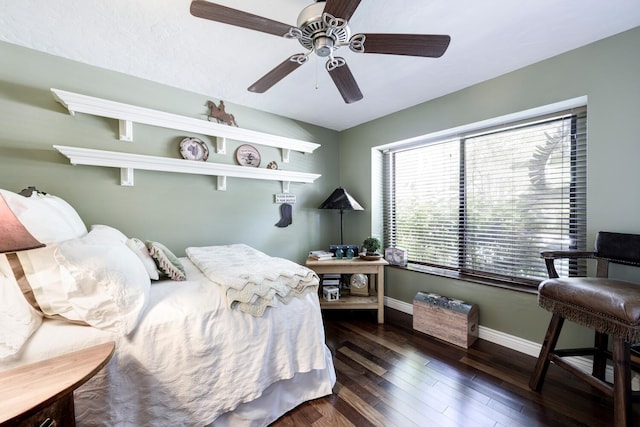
(222, 183)
(126, 130)
(221, 145)
(285, 155)
(285, 186)
(126, 177)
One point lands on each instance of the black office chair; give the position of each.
(610, 307)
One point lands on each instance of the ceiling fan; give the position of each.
(323, 28)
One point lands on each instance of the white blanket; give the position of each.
(253, 280)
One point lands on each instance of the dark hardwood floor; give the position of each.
(392, 375)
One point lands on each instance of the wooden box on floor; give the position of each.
(450, 320)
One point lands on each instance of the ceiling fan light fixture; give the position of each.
(323, 46)
(310, 14)
(315, 31)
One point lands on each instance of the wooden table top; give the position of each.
(27, 389)
(346, 262)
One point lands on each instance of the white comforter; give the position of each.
(253, 280)
(191, 358)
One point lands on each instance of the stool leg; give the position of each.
(548, 345)
(622, 410)
(600, 356)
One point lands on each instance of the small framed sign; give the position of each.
(285, 198)
(396, 256)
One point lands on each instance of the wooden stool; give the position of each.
(610, 307)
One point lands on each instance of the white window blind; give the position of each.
(486, 204)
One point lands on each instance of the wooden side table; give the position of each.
(41, 393)
(375, 300)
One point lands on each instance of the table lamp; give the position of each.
(15, 238)
(341, 200)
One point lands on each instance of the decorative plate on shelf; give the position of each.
(248, 155)
(194, 149)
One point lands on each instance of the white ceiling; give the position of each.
(160, 41)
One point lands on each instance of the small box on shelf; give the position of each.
(331, 293)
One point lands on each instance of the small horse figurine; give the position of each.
(218, 113)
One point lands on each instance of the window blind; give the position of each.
(487, 203)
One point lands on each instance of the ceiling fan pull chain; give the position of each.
(356, 43)
(317, 74)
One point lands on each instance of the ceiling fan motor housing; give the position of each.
(315, 32)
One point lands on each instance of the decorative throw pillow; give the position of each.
(18, 320)
(48, 218)
(140, 249)
(167, 262)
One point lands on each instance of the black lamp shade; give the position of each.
(342, 200)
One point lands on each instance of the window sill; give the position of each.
(442, 272)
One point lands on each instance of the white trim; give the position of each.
(129, 114)
(496, 121)
(509, 341)
(127, 162)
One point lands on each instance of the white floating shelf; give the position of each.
(129, 114)
(127, 162)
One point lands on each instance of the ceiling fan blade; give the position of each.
(341, 8)
(227, 15)
(428, 45)
(343, 79)
(281, 71)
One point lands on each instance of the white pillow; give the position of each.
(108, 232)
(48, 218)
(49, 282)
(140, 249)
(110, 285)
(18, 320)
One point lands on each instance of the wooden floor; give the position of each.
(391, 375)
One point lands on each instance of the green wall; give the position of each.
(179, 210)
(608, 73)
(184, 210)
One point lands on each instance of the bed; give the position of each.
(212, 338)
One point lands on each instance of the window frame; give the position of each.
(513, 120)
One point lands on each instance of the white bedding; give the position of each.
(192, 358)
(252, 280)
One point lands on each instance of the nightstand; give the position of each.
(375, 299)
(32, 394)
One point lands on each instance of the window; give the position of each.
(486, 203)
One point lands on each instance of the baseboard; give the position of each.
(509, 341)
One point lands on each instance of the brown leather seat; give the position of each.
(610, 307)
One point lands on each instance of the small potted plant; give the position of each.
(371, 246)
